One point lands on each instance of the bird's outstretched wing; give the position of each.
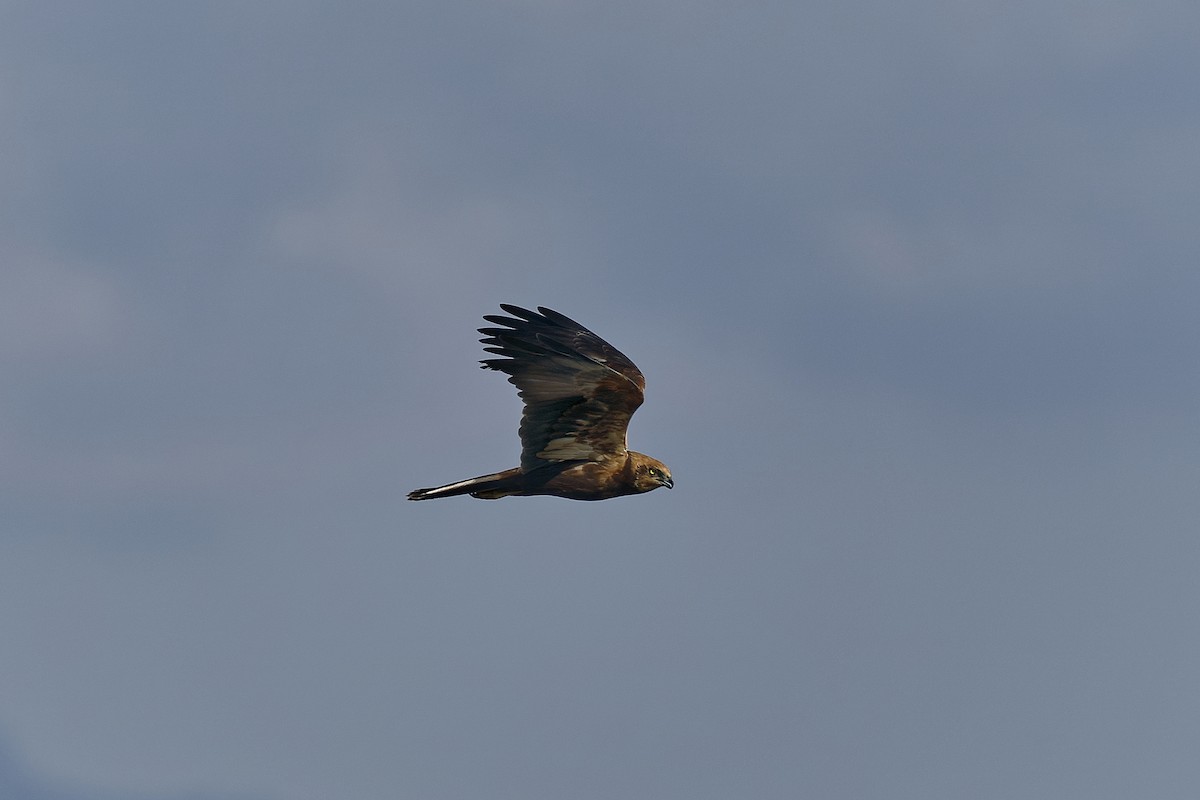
(579, 391)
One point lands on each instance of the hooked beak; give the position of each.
(667, 482)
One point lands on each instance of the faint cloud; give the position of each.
(50, 307)
(1077, 34)
(414, 231)
(19, 781)
(945, 255)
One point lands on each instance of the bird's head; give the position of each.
(649, 473)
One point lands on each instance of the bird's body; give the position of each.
(579, 393)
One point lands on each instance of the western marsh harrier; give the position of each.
(579, 393)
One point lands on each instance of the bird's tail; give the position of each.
(487, 487)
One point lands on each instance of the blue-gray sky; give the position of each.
(915, 290)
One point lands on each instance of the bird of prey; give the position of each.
(579, 393)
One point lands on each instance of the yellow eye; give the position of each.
(653, 472)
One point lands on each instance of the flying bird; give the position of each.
(579, 393)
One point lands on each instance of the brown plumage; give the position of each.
(579, 393)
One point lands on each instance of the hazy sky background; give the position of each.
(914, 286)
